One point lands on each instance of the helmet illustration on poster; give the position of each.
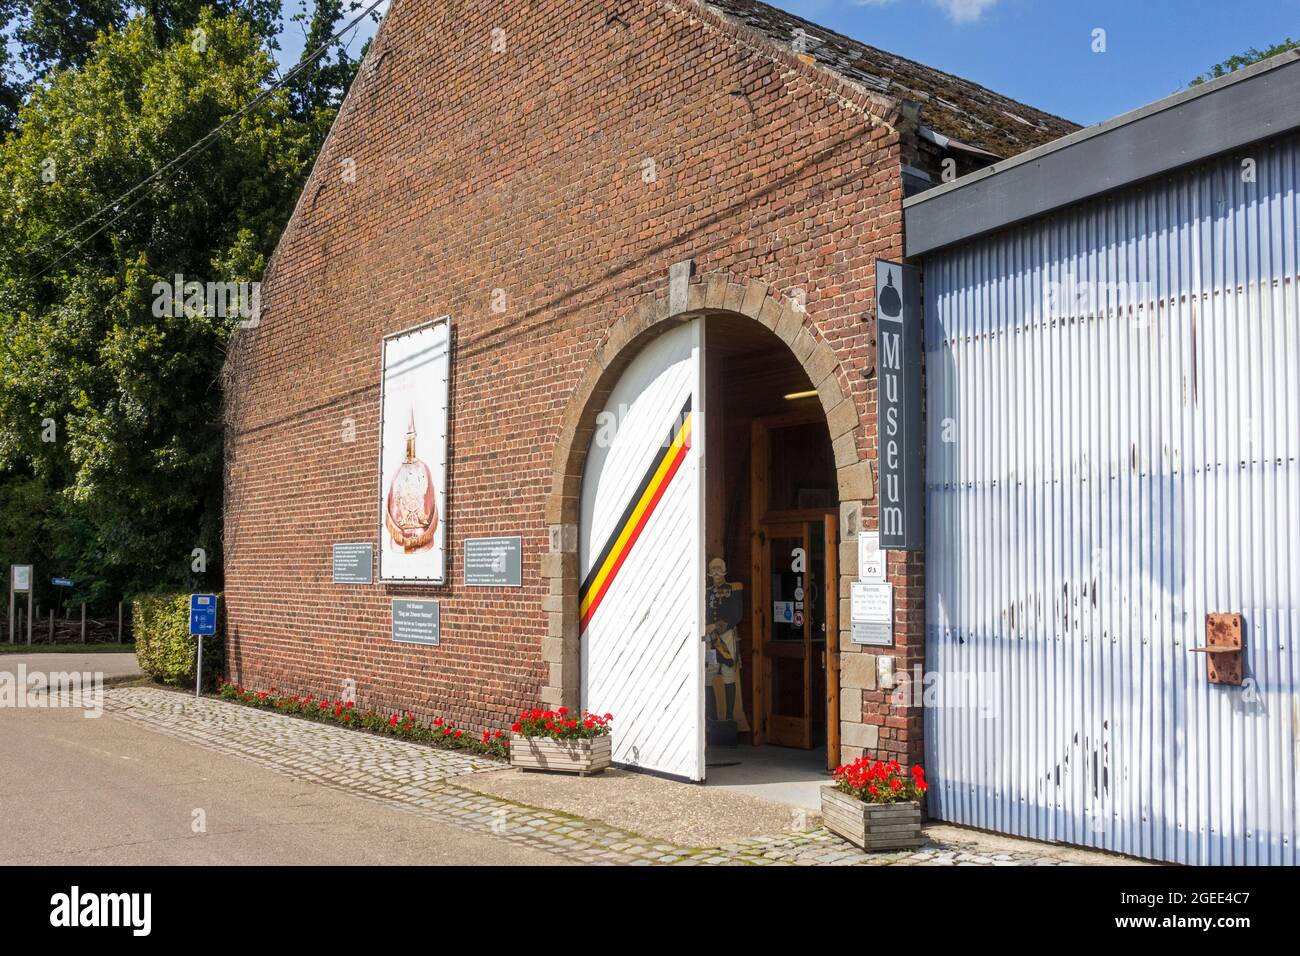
(413, 454)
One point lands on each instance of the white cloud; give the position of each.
(965, 11)
(959, 11)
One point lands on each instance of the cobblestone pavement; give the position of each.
(422, 780)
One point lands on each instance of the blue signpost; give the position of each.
(203, 623)
(61, 584)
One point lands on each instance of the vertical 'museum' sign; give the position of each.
(898, 406)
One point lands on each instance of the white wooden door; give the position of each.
(640, 556)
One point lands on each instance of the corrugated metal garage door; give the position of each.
(1113, 452)
(640, 559)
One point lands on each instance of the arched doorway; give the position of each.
(776, 473)
(771, 517)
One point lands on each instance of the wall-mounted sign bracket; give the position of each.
(1223, 650)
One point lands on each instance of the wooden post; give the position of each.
(831, 530)
(760, 605)
(83, 622)
(119, 622)
(51, 625)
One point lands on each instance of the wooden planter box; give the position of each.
(566, 756)
(872, 826)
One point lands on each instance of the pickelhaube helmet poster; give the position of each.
(413, 454)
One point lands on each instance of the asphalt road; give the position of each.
(79, 791)
(110, 665)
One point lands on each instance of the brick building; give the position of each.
(616, 207)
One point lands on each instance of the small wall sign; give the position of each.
(415, 622)
(871, 558)
(354, 563)
(494, 562)
(871, 614)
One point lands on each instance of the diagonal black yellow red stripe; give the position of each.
(640, 507)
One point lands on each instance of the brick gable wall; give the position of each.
(524, 171)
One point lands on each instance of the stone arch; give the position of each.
(712, 293)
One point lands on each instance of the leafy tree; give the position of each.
(11, 82)
(131, 482)
(1240, 60)
(96, 95)
(321, 86)
(60, 32)
(48, 35)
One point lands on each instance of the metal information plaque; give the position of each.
(494, 562)
(871, 611)
(354, 563)
(415, 622)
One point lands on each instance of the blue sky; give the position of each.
(1040, 51)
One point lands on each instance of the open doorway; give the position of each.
(771, 520)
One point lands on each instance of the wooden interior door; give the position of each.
(787, 645)
(795, 641)
(800, 613)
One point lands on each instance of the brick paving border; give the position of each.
(422, 780)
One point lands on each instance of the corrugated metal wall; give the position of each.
(1114, 434)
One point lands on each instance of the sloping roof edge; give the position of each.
(958, 108)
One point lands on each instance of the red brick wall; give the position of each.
(520, 170)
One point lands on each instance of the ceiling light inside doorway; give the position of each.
(793, 396)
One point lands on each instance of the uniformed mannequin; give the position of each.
(724, 607)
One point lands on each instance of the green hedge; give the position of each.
(163, 644)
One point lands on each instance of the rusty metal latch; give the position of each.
(1223, 637)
